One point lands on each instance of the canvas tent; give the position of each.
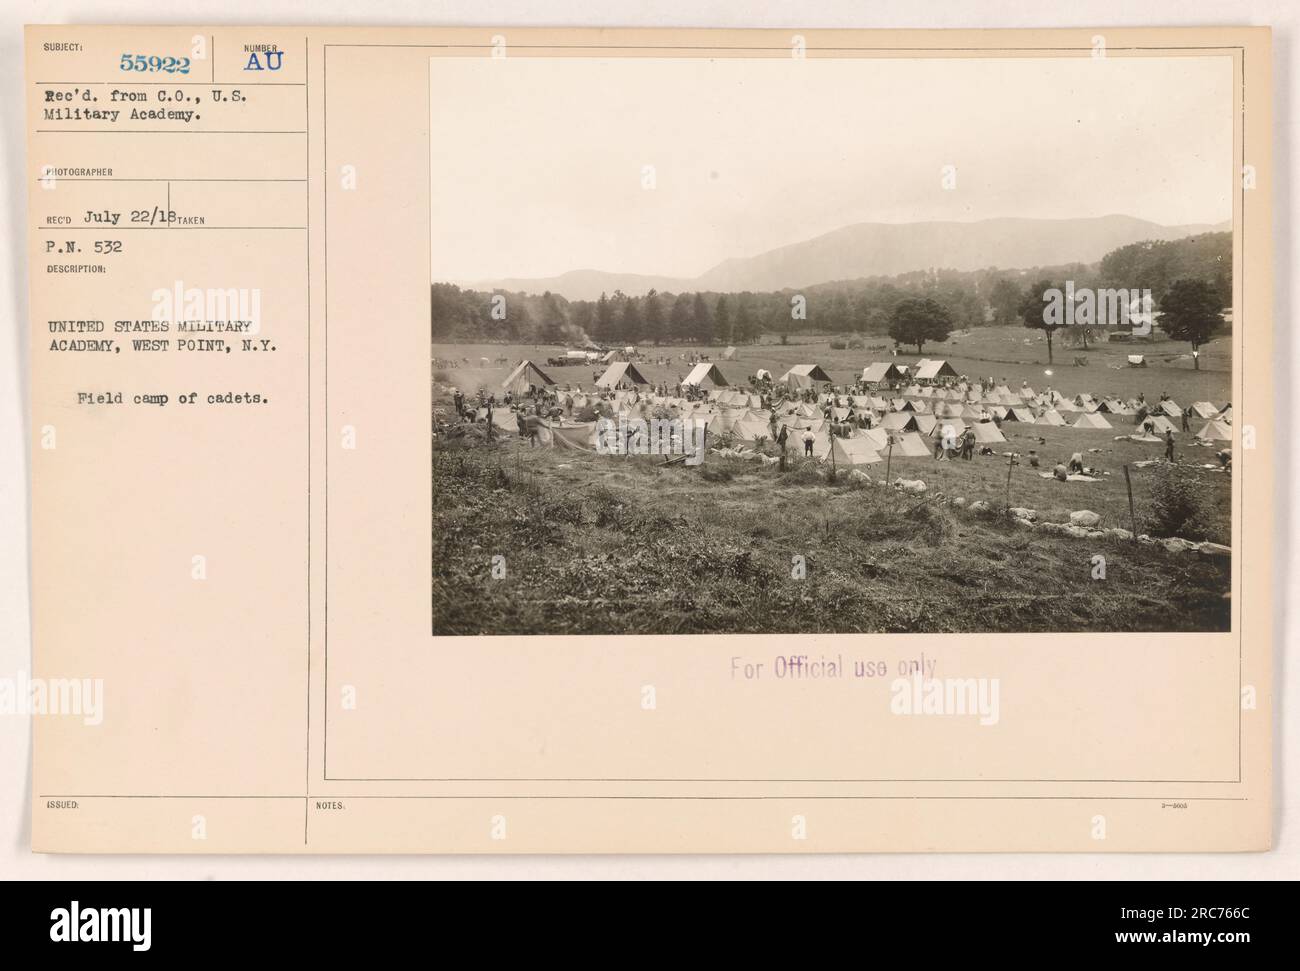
(881, 371)
(805, 376)
(705, 375)
(1091, 420)
(935, 371)
(524, 374)
(899, 421)
(1215, 431)
(1019, 414)
(579, 437)
(1170, 408)
(910, 445)
(1204, 409)
(1159, 424)
(852, 451)
(1051, 417)
(987, 433)
(621, 374)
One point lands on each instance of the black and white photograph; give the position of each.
(832, 345)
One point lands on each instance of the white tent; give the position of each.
(524, 374)
(934, 370)
(1051, 417)
(852, 451)
(705, 375)
(1092, 420)
(877, 372)
(987, 433)
(621, 374)
(805, 375)
(1215, 431)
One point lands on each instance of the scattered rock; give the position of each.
(1175, 545)
(1084, 517)
(1078, 532)
(959, 501)
(1214, 549)
(979, 505)
(910, 485)
(1020, 512)
(1116, 533)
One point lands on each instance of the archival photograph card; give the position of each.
(650, 441)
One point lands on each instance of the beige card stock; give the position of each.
(233, 235)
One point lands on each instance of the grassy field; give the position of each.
(997, 351)
(603, 544)
(598, 544)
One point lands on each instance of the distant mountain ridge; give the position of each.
(881, 249)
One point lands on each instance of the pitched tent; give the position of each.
(1215, 431)
(621, 374)
(1204, 409)
(524, 374)
(1170, 408)
(987, 433)
(705, 375)
(580, 437)
(750, 427)
(878, 437)
(852, 451)
(1091, 420)
(941, 427)
(877, 372)
(910, 445)
(1113, 406)
(805, 376)
(1019, 414)
(899, 421)
(1051, 417)
(1160, 424)
(729, 354)
(935, 371)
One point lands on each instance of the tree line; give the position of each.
(911, 308)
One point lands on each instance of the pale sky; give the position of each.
(537, 163)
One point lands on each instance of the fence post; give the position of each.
(1132, 515)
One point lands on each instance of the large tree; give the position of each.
(1043, 308)
(702, 319)
(1005, 298)
(722, 319)
(919, 319)
(630, 323)
(1191, 311)
(679, 318)
(653, 314)
(603, 325)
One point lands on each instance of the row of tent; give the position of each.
(917, 408)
